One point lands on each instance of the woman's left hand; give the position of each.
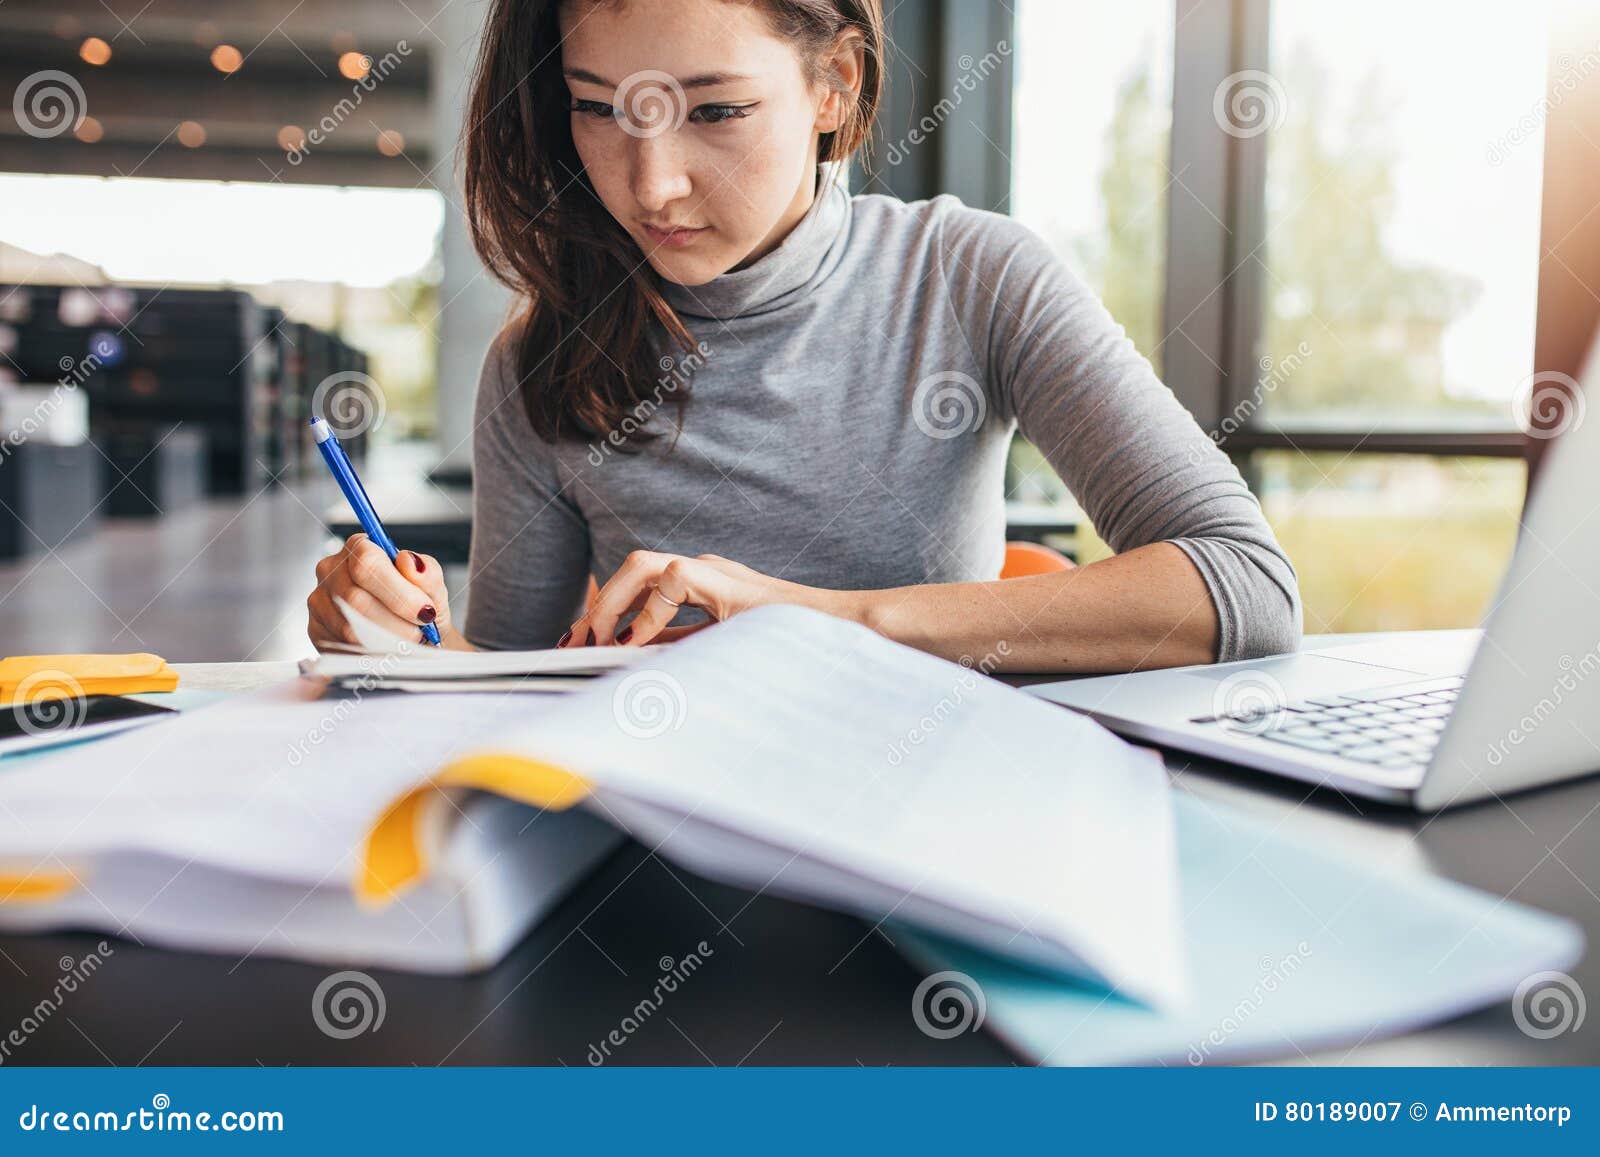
(657, 585)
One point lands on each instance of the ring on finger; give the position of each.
(656, 591)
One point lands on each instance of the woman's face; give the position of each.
(696, 126)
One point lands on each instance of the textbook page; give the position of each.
(277, 783)
(848, 752)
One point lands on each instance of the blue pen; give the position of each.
(345, 475)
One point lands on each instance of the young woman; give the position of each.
(735, 384)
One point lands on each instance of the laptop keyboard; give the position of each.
(1393, 727)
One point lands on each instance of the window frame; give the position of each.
(1212, 301)
(1213, 309)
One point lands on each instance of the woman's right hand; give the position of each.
(399, 596)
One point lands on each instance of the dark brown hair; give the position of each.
(596, 323)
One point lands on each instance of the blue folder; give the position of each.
(1291, 948)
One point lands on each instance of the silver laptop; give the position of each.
(1430, 719)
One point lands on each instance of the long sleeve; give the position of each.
(530, 558)
(1134, 458)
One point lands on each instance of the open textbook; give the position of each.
(784, 750)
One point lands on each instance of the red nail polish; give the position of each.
(627, 633)
(427, 614)
(416, 560)
(565, 639)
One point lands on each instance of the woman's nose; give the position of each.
(659, 173)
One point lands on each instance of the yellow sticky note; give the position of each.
(40, 678)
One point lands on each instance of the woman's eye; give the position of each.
(711, 114)
(593, 108)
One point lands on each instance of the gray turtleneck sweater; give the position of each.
(853, 398)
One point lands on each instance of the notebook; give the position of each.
(382, 660)
(1294, 949)
(784, 750)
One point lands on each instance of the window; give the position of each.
(1388, 542)
(1356, 282)
(356, 261)
(1403, 184)
(1401, 247)
(1092, 115)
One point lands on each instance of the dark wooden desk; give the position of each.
(784, 983)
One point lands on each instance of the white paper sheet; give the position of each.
(1021, 823)
(275, 783)
(384, 659)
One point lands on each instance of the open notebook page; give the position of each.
(386, 659)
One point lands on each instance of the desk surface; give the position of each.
(784, 984)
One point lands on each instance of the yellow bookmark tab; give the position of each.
(41, 678)
(394, 858)
(34, 888)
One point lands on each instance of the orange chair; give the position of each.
(1030, 558)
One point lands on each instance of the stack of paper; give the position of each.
(783, 750)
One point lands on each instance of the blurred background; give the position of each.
(1337, 229)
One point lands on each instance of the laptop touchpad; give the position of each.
(1428, 653)
(1298, 676)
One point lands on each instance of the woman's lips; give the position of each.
(673, 238)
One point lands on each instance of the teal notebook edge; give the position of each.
(1292, 949)
(179, 700)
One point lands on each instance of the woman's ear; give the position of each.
(842, 70)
